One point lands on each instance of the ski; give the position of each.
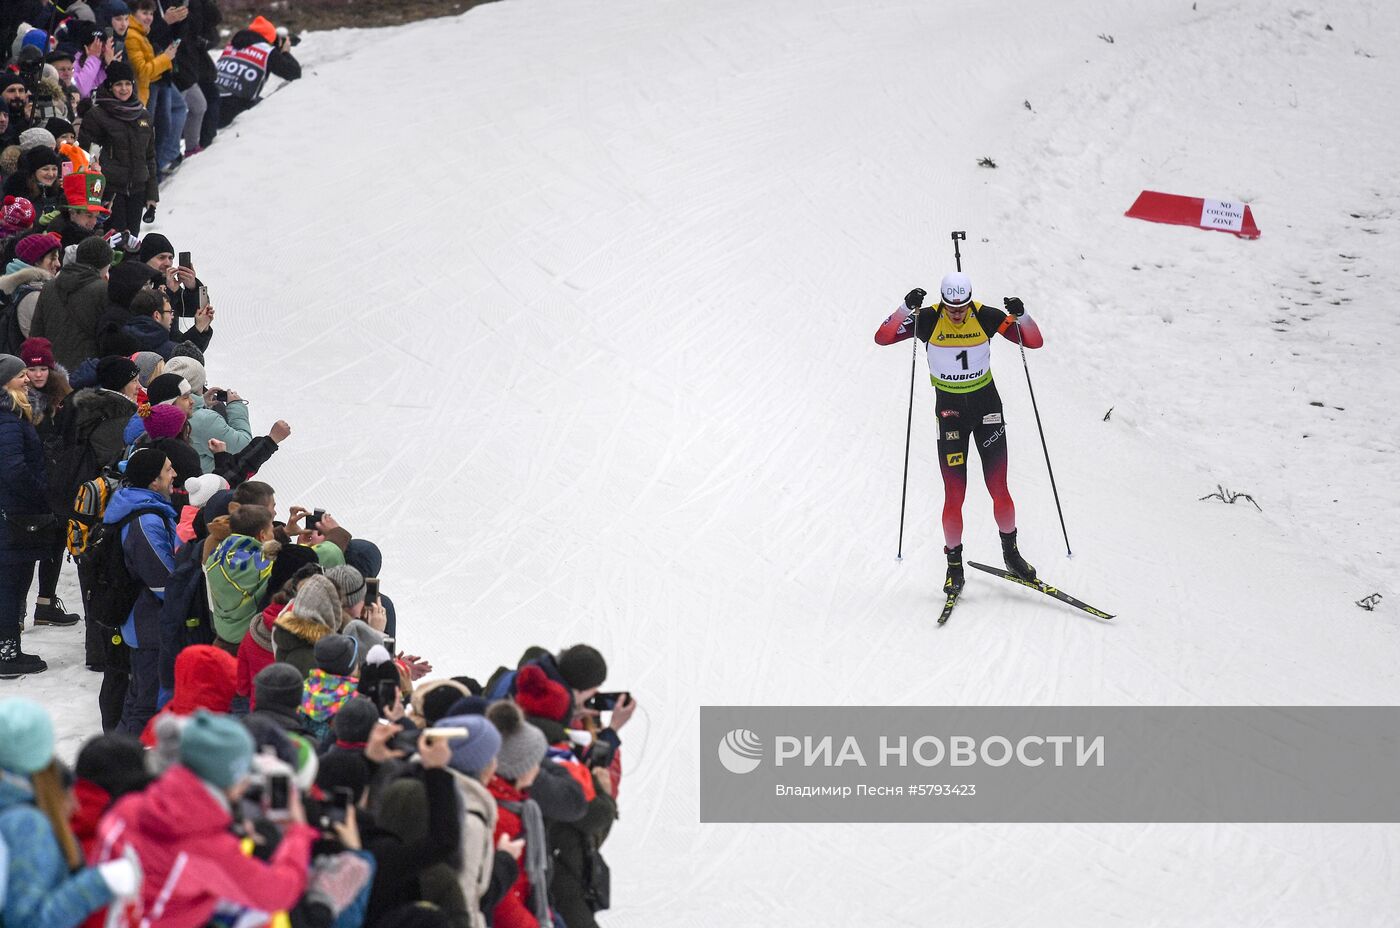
(1043, 587)
(948, 606)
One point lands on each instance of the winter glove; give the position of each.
(915, 298)
(337, 879)
(1014, 306)
(123, 877)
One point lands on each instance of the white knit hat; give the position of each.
(203, 487)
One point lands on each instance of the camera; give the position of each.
(337, 806)
(600, 754)
(277, 798)
(386, 693)
(605, 702)
(221, 396)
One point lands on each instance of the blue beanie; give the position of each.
(26, 736)
(37, 38)
(216, 748)
(471, 754)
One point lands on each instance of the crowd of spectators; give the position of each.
(269, 753)
(130, 85)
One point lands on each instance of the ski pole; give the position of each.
(908, 433)
(1039, 428)
(909, 424)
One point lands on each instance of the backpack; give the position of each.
(112, 590)
(11, 337)
(89, 506)
(597, 878)
(500, 683)
(185, 618)
(74, 462)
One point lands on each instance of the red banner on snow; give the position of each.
(1220, 215)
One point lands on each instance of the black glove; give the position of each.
(915, 298)
(1014, 306)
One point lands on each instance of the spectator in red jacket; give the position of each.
(181, 829)
(204, 679)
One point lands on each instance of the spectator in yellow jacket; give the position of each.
(144, 61)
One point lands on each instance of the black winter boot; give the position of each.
(954, 581)
(1014, 562)
(14, 662)
(54, 612)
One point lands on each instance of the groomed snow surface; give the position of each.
(570, 305)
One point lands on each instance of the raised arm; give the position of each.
(899, 324)
(1026, 331)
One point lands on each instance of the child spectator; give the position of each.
(330, 684)
(238, 573)
(277, 691)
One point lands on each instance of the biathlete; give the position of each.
(959, 332)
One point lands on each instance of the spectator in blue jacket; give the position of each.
(149, 543)
(46, 884)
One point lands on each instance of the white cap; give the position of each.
(956, 289)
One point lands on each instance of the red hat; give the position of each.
(540, 696)
(82, 191)
(37, 352)
(18, 215)
(264, 28)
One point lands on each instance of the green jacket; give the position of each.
(237, 574)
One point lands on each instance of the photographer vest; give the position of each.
(243, 71)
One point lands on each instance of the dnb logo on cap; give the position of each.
(956, 289)
(740, 751)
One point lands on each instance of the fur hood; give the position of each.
(308, 630)
(96, 403)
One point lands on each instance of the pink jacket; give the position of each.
(192, 863)
(88, 75)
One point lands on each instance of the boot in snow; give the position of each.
(954, 581)
(53, 612)
(14, 662)
(1014, 562)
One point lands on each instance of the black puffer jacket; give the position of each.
(23, 483)
(128, 148)
(67, 313)
(200, 37)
